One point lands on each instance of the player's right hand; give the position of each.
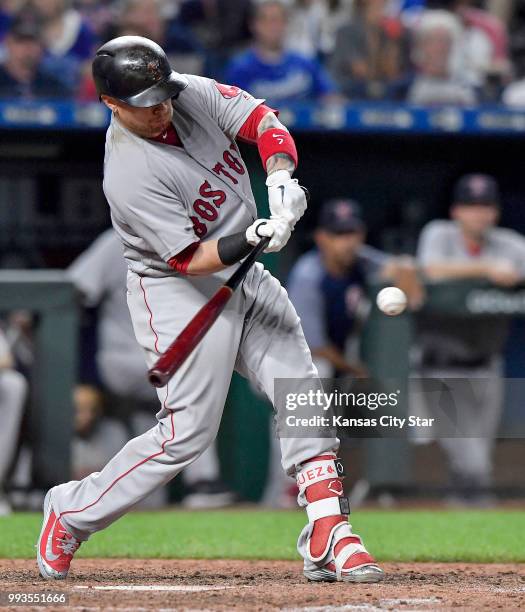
(287, 199)
(278, 229)
(503, 273)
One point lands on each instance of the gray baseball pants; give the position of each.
(258, 334)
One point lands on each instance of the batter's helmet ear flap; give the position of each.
(99, 69)
(135, 70)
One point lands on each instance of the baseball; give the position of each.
(391, 300)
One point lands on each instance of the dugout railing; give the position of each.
(50, 297)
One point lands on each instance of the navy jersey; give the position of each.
(341, 298)
(327, 305)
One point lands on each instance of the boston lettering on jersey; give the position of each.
(207, 209)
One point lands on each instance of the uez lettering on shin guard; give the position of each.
(318, 469)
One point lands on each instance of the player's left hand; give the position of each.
(277, 229)
(286, 197)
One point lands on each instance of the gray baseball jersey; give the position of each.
(164, 198)
(442, 241)
(454, 339)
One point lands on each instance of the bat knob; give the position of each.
(157, 378)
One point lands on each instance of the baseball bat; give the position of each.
(179, 350)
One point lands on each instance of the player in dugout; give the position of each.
(469, 245)
(182, 205)
(328, 286)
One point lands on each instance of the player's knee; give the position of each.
(189, 446)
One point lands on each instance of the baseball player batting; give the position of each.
(182, 205)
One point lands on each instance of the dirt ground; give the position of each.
(268, 585)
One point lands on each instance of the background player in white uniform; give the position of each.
(13, 391)
(182, 204)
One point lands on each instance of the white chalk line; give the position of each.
(411, 601)
(155, 587)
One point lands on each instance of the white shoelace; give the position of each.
(68, 545)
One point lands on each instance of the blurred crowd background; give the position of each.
(414, 210)
(424, 52)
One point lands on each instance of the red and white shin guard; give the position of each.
(330, 550)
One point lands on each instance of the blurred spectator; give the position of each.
(97, 438)
(313, 25)
(327, 285)
(269, 71)
(98, 14)
(434, 84)
(146, 18)
(503, 9)
(514, 94)
(69, 41)
(477, 20)
(494, 26)
(481, 51)
(304, 27)
(219, 26)
(22, 74)
(8, 9)
(217, 23)
(370, 59)
(13, 390)
(66, 34)
(409, 11)
(100, 275)
(469, 246)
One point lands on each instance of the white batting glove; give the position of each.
(277, 229)
(286, 197)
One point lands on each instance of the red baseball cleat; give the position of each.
(56, 547)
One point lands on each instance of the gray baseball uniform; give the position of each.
(164, 198)
(460, 347)
(99, 273)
